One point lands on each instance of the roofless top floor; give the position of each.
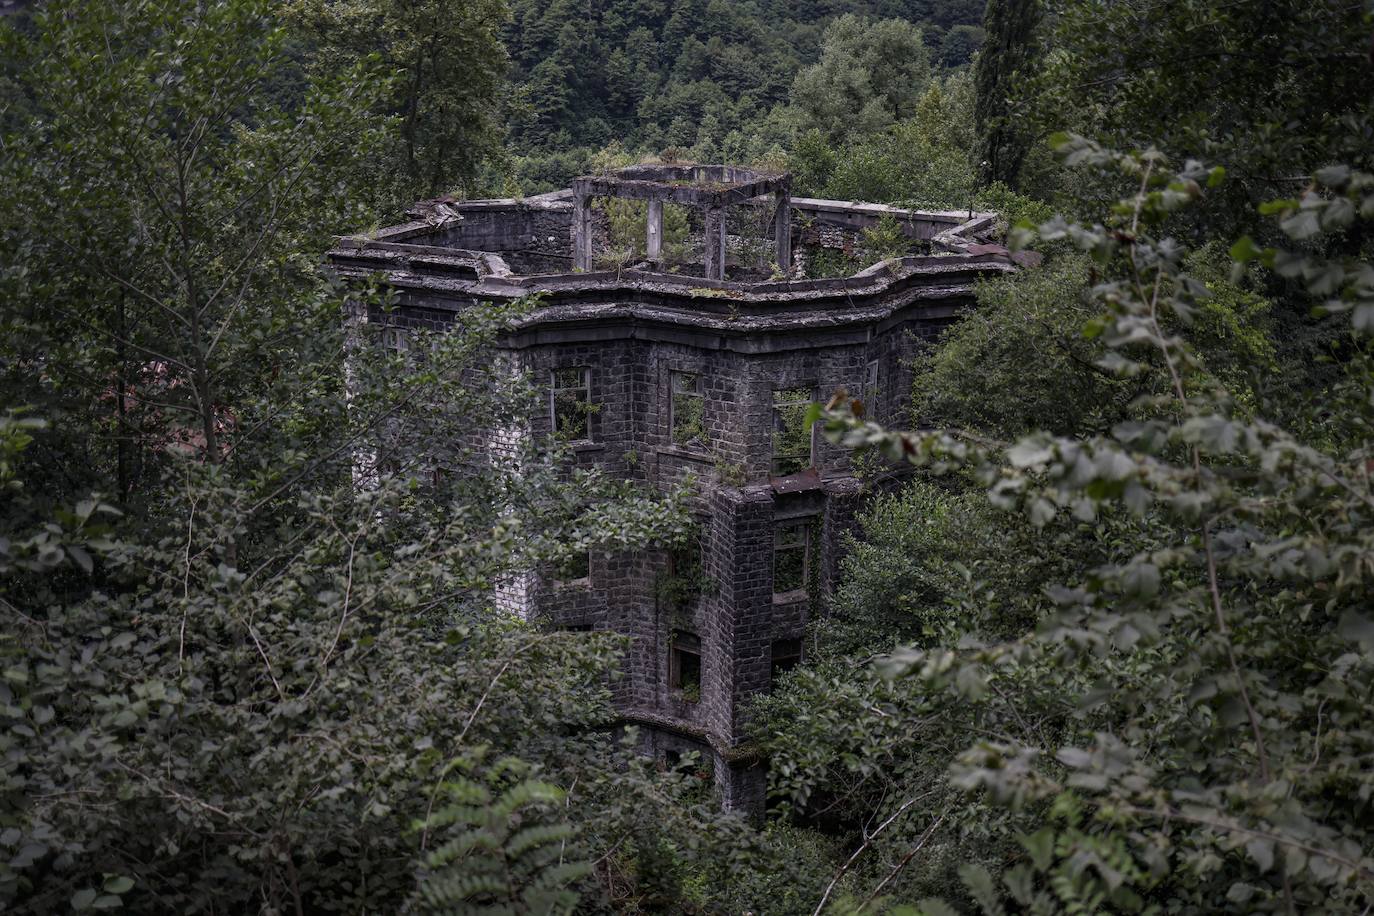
(705, 243)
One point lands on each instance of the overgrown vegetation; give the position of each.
(1107, 649)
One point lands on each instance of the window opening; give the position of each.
(574, 570)
(682, 580)
(786, 655)
(870, 395)
(792, 435)
(687, 410)
(395, 340)
(791, 556)
(570, 402)
(684, 666)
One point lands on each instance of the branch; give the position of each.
(906, 859)
(868, 839)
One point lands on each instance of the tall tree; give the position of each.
(452, 66)
(870, 75)
(243, 687)
(1003, 63)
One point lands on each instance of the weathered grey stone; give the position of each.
(632, 330)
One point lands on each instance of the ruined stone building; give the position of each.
(693, 350)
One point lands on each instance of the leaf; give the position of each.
(1141, 580)
(1029, 452)
(1262, 851)
(979, 882)
(80, 557)
(28, 854)
(1358, 628)
(119, 885)
(1334, 176)
(1302, 225)
(970, 682)
(84, 898)
(1245, 250)
(1362, 318)
(1040, 847)
(1073, 757)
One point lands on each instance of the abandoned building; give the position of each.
(689, 315)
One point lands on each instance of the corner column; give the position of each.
(715, 243)
(782, 232)
(654, 231)
(582, 233)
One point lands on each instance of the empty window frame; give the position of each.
(682, 580)
(576, 569)
(687, 409)
(870, 392)
(786, 656)
(570, 402)
(684, 665)
(791, 557)
(793, 442)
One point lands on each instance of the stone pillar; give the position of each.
(654, 231)
(715, 243)
(782, 232)
(582, 233)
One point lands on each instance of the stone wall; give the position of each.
(738, 619)
(633, 330)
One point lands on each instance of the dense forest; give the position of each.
(1105, 646)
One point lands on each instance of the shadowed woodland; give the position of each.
(1102, 640)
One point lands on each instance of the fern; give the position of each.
(503, 848)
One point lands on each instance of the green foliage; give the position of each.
(1239, 84)
(684, 580)
(1008, 58)
(711, 81)
(933, 561)
(1019, 361)
(923, 160)
(500, 845)
(628, 219)
(233, 682)
(885, 240)
(1209, 679)
(792, 437)
(451, 68)
(870, 75)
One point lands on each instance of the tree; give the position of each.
(451, 68)
(870, 75)
(1231, 83)
(1200, 695)
(249, 682)
(921, 161)
(1005, 61)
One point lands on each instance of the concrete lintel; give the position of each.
(702, 186)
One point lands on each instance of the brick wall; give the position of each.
(737, 619)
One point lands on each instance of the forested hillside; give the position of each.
(1103, 639)
(652, 75)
